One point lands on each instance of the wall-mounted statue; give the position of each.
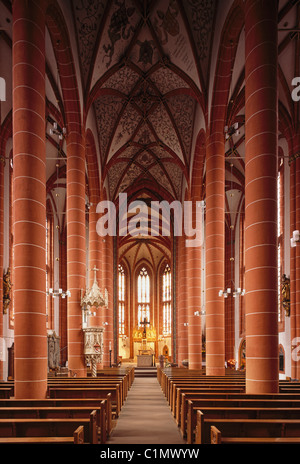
(6, 290)
(285, 293)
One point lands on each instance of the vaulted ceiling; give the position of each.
(144, 70)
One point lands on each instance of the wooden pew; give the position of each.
(88, 392)
(263, 428)
(76, 439)
(107, 381)
(258, 401)
(177, 389)
(88, 385)
(73, 412)
(6, 392)
(216, 438)
(53, 427)
(66, 404)
(129, 372)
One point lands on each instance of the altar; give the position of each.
(144, 340)
(144, 360)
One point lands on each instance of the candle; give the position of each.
(109, 346)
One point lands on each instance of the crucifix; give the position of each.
(144, 323)
(95, 273)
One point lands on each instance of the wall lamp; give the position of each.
(295, 238)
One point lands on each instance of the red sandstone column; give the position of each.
(94, 257)
(215, 254)
(193, 255)
(293, 268)
(94, 261)
(108, 312)
(63, 303)
(297, 267)
(76, 248)
(295, 255)
(182, 329)
(2, 346)
(29, 202)
(261, 197)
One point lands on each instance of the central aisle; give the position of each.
(145, 417)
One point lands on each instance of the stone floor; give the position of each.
(145, 417)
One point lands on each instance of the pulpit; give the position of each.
(93, 336)
(93, 347)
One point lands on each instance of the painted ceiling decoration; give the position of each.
(142, 66)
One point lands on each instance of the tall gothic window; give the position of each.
(280, 233)
(143, 296)
(167, 301)
(49, 266)
(121, 300)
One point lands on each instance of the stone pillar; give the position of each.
(295, 256)
(182, 330)
(297, 268)
(194, 267)
(215, 254)
(29, 202)
(76, 248)
(63, 303)
(108, 336)
(94, 259)
(2, 345)
(261, 197)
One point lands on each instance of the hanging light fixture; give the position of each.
(57, 130)
(231, 288)
(295, 238)
(60, 292)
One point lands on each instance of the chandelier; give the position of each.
(93, 296)
(60, 293)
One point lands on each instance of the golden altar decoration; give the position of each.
(139, 334)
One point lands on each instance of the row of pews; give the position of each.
(77, 410)
(216, 410)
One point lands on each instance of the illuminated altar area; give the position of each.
(144, 340)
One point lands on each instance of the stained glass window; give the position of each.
(121, 300)
(280, 234)
(167, 300)
(143, 296)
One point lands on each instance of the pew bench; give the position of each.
(173, 384)
(83, 385)
(243, 408)
(6, 392)
(216, 438)
(88, 392)
(40, 406)
(178, 389)
(92, 382)
(58, 412)
(50, 428)
(244, 428)
(76, 439)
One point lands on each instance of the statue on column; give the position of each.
(285, 292)
(6, 290)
